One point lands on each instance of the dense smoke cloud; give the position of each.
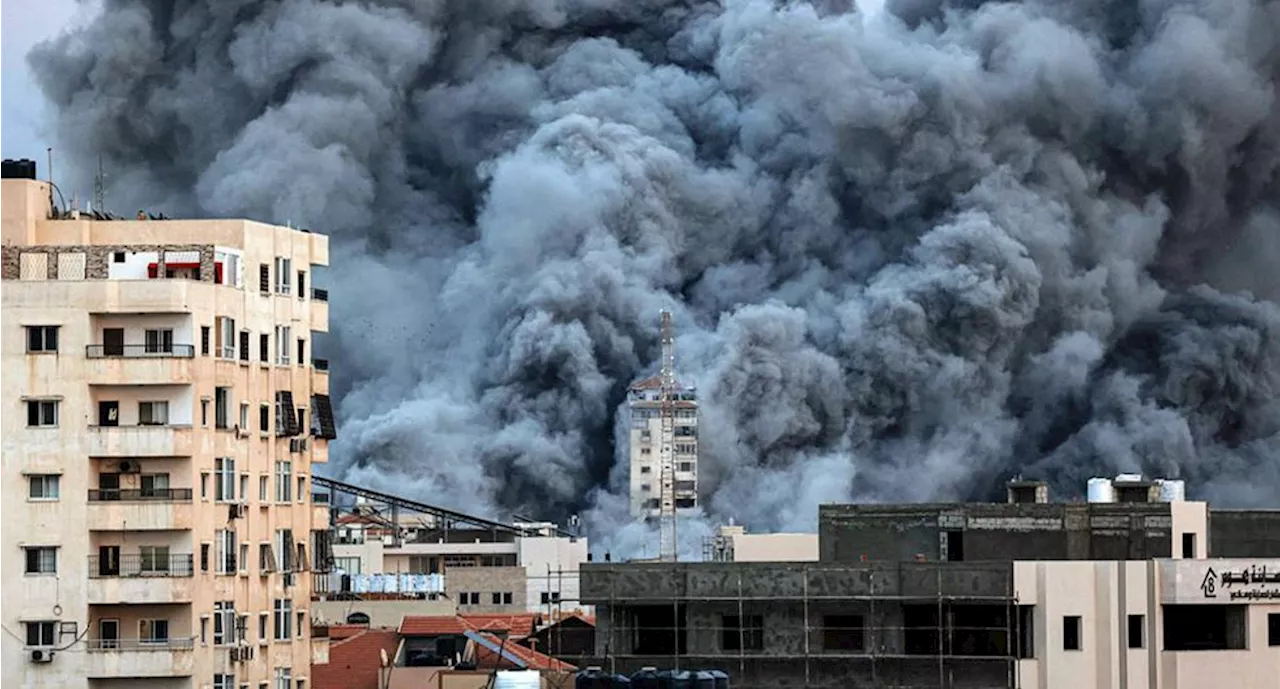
(910, 252)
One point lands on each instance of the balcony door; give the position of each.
(108, 560)
(108, 486)
(109, 413)
(113, 341)
(108, 634)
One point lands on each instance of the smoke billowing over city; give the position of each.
(911, 251)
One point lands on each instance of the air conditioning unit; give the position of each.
(237, 510)
(42, 655)
(240, 432)
(127, 466)
(234, 654)
(246, 651)
(288, 579)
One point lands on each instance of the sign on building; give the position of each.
(1221, 581)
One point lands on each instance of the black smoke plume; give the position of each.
(911, 250)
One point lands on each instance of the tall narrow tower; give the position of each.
(667, 550)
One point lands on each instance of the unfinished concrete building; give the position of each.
(1110, 593)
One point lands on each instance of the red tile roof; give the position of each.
(354, 661)
(517, 625)
(532, 659)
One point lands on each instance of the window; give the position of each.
(224, 623)
(264, 418)
(159, 341)
(1071, 633)
(154, 559)
(224, 486)
(42, 338)
(42, 560)
(221, 681)
(153, 631)
(154, 485)
(284, 550)
(262, 627)
(244, 558)
(244, 488)
(266, 558)
(204, 485)
(1205, 627)
(1273, 629)
(496, 598)
(284, 270)
(42, 413)
(225, 555)
(283, 338)
(244, 345)
(302, 618)
(263, 494)
(1188, 546)
(284, 478)
(302, 284)
(41, 633)
(302, 488)
(264, 347)
(244, 416)
(222, 408)
(42, 487)
(742, 633)
(1136, 635)
(226, 344)
(283, 619)
(204, 340)
(645, 469)
(204, 412)
(154, 413)
(843, 633)
(264, 278)
(283, 678)
(204, 557)
(302, 351)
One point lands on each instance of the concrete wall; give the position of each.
(775, 547)
(486, 581)
(551, 565)
(1244, 533)
(80, 307)
(1003, 531)
(382, 613)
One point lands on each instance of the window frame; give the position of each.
(44, 480)
(41, 333)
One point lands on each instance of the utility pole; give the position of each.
(668, 551)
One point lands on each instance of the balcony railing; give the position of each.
(141, 566)
(320, 364)
(170, 644)
(319, 294)
(139, 351)
(140, 495)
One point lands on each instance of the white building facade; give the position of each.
(644, 407)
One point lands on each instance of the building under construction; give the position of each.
(1119, 591)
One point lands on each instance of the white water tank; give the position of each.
(1101, 490)
(517, 679)
(1173, 490)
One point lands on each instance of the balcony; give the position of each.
(139, 364)
(138, 510)
(140, 441)
(319, 310)
(129, 658)
(135, 579)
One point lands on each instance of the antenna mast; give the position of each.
(100, 189)
(667, 550)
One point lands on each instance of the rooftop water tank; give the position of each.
(1173, 490)
(1101, 490)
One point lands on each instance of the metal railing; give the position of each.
(139, 351)
(140, 495)
(320, 364)
(137, 565)
(319, 294)
(170, 644)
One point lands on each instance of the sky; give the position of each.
(23, 24)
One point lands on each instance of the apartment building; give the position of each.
(644, 405)
(530, 567)
(162, 415)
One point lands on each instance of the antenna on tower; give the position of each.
(668, 551)
(100, 188)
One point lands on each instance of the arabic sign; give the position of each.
(1221, 581)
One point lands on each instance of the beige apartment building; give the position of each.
(644, 402)
(162, 415)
